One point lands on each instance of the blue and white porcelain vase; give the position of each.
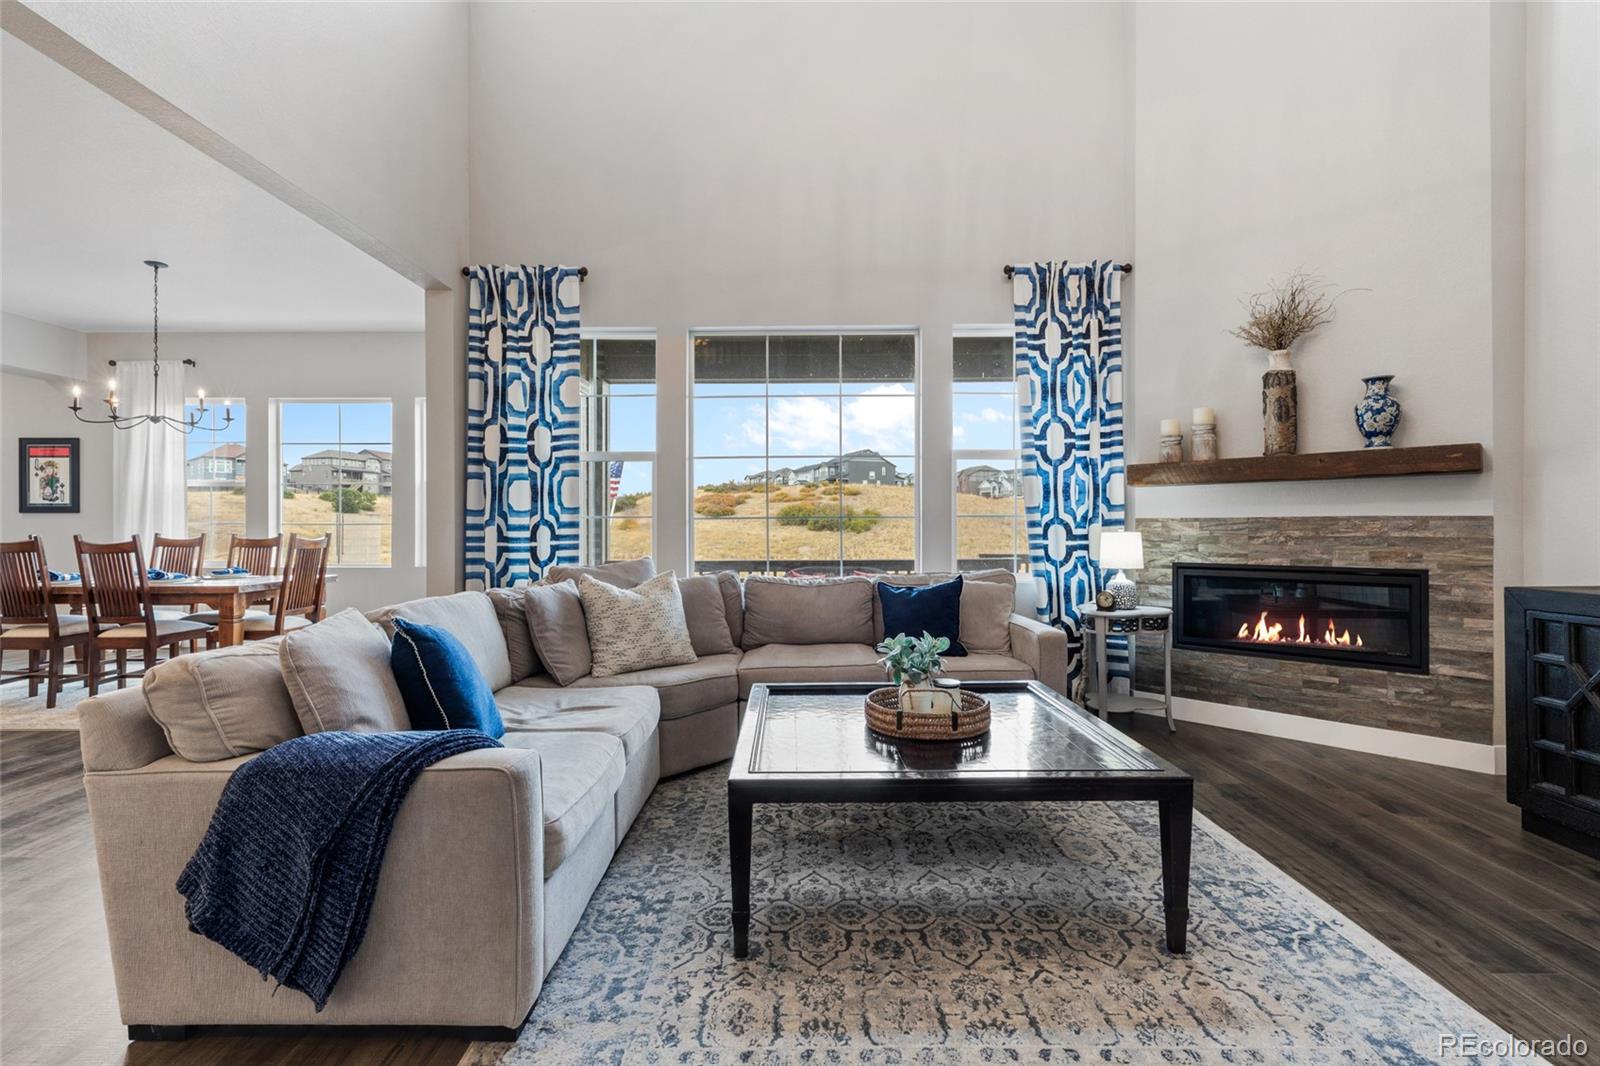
(1378, 413)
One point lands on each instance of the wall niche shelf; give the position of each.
(1317, 466)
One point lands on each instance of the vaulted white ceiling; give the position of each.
(89, 189)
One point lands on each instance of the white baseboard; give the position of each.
(1440, 751)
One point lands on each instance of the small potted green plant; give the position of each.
(912, 663)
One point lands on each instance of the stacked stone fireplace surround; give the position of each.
(1453, 700)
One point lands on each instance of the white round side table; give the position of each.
(1100, 624)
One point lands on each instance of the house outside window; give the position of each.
(336, 474)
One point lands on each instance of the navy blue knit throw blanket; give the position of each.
(285, 875)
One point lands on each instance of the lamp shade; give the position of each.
(1121, 550)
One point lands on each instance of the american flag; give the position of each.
(614, 472)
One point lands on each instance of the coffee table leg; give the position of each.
(740, 814)
(1177, 818)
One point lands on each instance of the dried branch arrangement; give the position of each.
(1286, 312)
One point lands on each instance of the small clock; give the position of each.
(1104, 600)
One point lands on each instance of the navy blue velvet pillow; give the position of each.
(933, 609)
(442, 686)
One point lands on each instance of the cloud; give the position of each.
(987, 414)
(883, 418)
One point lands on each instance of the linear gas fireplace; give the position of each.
(1372, 618)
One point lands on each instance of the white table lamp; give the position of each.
(1121, 550)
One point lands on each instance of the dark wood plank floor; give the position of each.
(1431, 861)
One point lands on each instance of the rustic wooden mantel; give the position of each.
(1318, 466)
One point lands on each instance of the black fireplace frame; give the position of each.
(1416, 581)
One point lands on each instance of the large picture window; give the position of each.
(804, 452)
(337, 462)
(214, 478)
(617, 452)
(991, 519)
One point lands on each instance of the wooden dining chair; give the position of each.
(300, 599)
(29, 622)
(116, 592)
(178, 555)
(258, 555)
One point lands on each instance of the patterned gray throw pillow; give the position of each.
(637, 628)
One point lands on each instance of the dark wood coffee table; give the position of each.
(811, 744)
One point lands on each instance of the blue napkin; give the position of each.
(165, 575)
(65, 575)
(224, 571)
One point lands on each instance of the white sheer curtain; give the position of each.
(147, 460)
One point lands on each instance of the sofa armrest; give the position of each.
(1044, 648)
(116, 732)
(456, 932)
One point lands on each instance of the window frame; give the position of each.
(692, 456)
(279, 473)
(1013, 456)
(609, 455)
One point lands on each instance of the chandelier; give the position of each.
(187, 424)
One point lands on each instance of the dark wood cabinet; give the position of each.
(1553, 712)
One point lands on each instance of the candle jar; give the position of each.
(1203, 442)
(1172, 448)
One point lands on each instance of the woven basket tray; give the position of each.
(885, 716)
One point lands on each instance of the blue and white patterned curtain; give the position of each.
(1068, 346)
(522, 423)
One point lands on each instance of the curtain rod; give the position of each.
(1126, 268)
(583, 272)
(186, 362)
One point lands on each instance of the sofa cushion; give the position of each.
(338, 675)
(514, 627)
(637, 628)
(778, 663)
(624, 575)
(441, 685)
(986, 609)
(630, 714)
(934, 609)
(579, 774)
(707, 614)
(780, 610)
(732, 604)
(982, 666)
(470, 618)
(685, 689)
(560, 634)
(223, 703)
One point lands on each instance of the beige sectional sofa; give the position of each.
(495, 853)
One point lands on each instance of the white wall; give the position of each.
(352, 112)
(41, 349)
(800, 165)
(1352, 140)
(1562, 384)
(260, 368)
(37, 407)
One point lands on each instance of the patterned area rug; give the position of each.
(954, 934)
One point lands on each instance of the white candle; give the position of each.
(1170, 427)
(1204, 416)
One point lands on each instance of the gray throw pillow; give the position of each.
(623, 575)
(514, 627)
(635, 629)
(986, 609)
(560, 634)
(222, 704)
(467, 616)
(706, 611)
(781, 610)
(338, 675)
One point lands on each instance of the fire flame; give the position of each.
(1265, 632)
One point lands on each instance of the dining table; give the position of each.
(229, 595)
